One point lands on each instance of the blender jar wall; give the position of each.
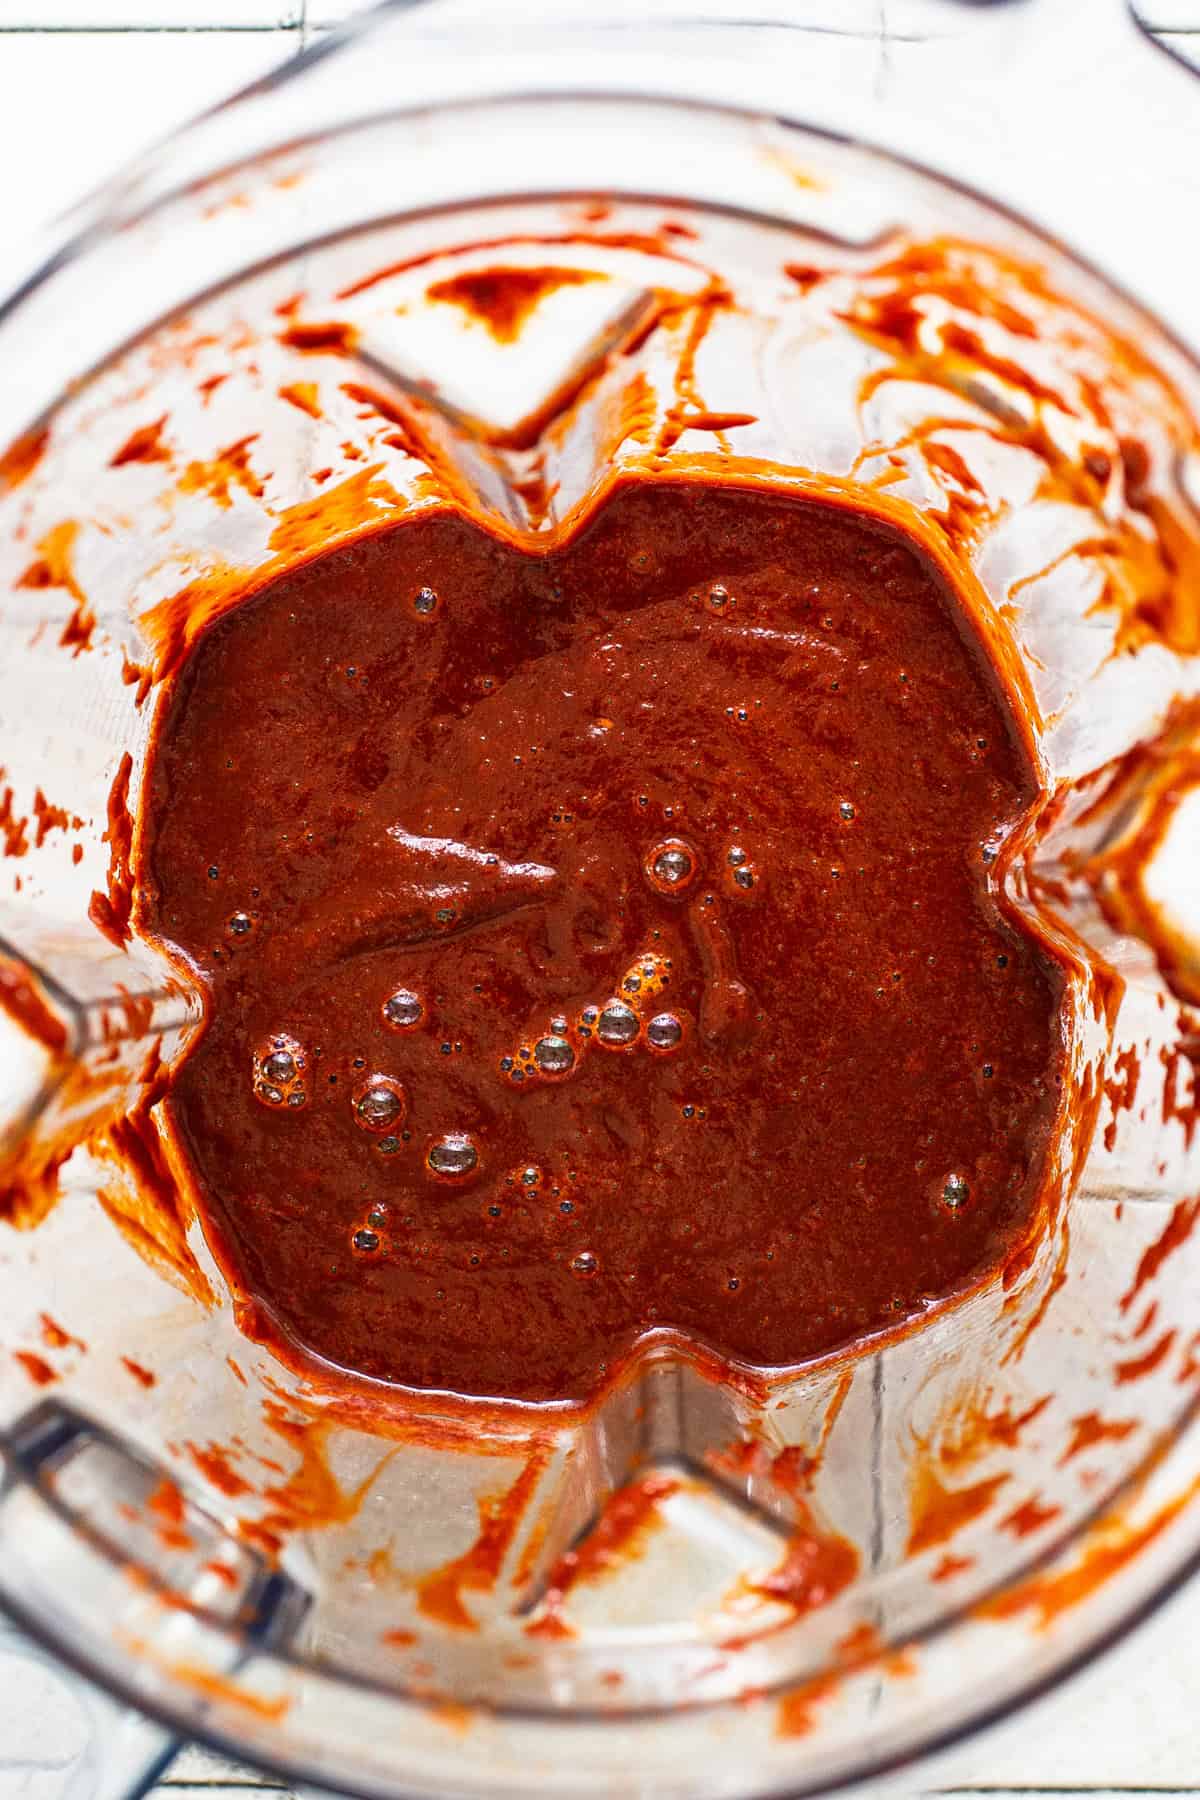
(142, 536)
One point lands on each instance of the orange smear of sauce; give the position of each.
(940, 1512)
(1089, 1428)
(501, 299)
(1177, 1231)
(477, 1570)
(1136, 1366)
(1115, 1545)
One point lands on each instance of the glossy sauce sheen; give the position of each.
(361, 788)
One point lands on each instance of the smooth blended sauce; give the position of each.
(600, 941)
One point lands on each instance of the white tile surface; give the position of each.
(1131, 1723)
(148, 15)
(1169, 15)
(121, 92)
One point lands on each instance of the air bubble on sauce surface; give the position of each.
(379, 1103)
(553, 1055)
(403, 1009)
(664, 1032)
(453, 1155)
(618, 1024)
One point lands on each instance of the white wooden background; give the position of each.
(83, 84)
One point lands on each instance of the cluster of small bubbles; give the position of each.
(846, 809)
(664, 1032)
(240, 924)
(584, 1264)
(647, 977)
(378, 1104)
(278, 1072)
(389, 1145)
(553, 1055)
(403, 1009)
(365, 1240)
(671, 865)
(425, 601)
(956, 1192)
(618, 1024)
(453, 1155)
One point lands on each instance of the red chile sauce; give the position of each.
(670, 847)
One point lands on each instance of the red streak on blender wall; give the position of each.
(477, 1570)
(168, 1511)
(971, 1430)
(817, 1566)
(20, 999)
(950, 1565)
(110, 912)
(1089, 1428)
(618, 1535)
(503, 298)
(214, 1464)
(36, 1367)
(1121, 1089)
(143, 446)
(303, 396)
(21, 458)
(1135, 1367)
(51, 818)
(53, 567)
(140, 1374)
(228, 469)
(1029, 1517)
(1177, 1231)
(333, 335)
(14, 827)
(56, 1337)
(310, 1497)
(1114, 1545)
(862, 1648)
(939, 1512)
(650, 243)
(135, 673)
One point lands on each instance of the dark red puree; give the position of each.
(600, 940)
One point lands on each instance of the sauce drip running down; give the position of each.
(601, 940)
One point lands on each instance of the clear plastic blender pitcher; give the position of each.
(229, 356)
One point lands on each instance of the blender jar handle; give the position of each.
(102, 1551)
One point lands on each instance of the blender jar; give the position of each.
(232, 358)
